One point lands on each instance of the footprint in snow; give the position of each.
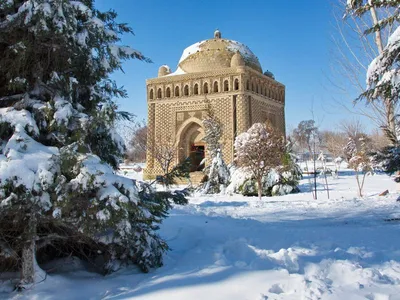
(276, 289)
(377, 296)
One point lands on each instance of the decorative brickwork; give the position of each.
(214, 77)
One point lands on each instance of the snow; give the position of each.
(132, 171)
(285, 247)
(106, 181)
(394, 38)
(82, 36)
(97, 22)
(116, 51)
(28, 163)
(190, 50)
(246, 53)
(231, 45)
(178, 71)
(78, 5)
(21, 117)
(129, 51)
(111, 33)
(64, 110)
(382, 70)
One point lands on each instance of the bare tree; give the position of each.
(362, 165)
(322, 158)
(138, 145)
(357, 139)
(259, 150)
(334, 142)
(352, 129)
(165, 153)
(378, 140)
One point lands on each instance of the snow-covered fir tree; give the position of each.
(388, 158)
(218, 173)
(383, 74)
(58, 145)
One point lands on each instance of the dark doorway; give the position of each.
(196, 157)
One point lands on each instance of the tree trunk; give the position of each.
(378, 37)
(315, 174)
(309, 180)
(30, 271)
(362, 183)
(259, 184)
(28, 263)
(359, 186)
(326, 183)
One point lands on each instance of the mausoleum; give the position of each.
(220, 75)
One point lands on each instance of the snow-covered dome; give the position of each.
(214, 54)
(164, 70)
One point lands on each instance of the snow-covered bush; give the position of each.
(59, 192)
(279, 181)
(259, 150)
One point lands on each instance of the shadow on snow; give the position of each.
(206, 250)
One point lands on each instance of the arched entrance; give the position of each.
(191, 144)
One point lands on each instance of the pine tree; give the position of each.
(388, 158)
(58, 145)
(383, 74)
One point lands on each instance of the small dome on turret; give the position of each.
(269, 74)
(217, 34)
(164, 70)
(237, 60)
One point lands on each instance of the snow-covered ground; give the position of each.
(288, 247)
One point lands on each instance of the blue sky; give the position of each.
(290, 38)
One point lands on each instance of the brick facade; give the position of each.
(232, 87)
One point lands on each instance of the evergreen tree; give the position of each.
(383, 74)
(218, 173)
(388, 158)
(58, 145)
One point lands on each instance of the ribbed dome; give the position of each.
(237, 60)
(214, 54)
